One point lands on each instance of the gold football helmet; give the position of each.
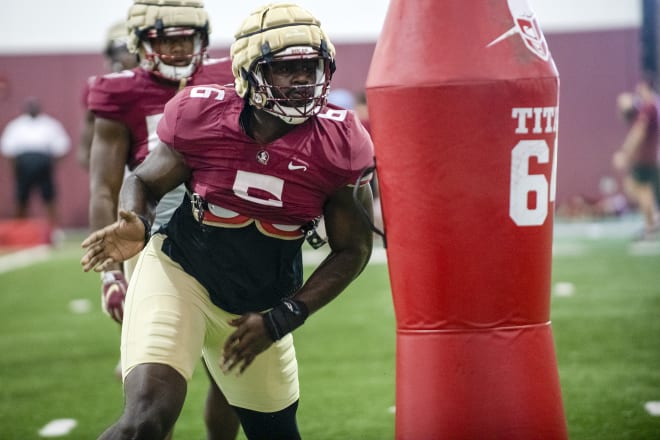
(280, 32)
(149, 19)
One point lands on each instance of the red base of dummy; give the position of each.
(485, 384)
(25, 233)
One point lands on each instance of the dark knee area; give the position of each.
(280, 425)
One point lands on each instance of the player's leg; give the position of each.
(47, 186)
(643, 185)
(648, 206)
(655, 183)
(279, 425)
(162, 336)
(24, 182)
(154, 396)
(221, 420)
(265, 396)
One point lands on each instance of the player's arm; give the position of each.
(86, 136)
(162, 171)
(103, 149)
(350, 239)
(109, 153)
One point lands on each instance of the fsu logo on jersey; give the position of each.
(525, 25)
(262, 157)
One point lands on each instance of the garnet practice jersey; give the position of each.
(247, 252)
(136, 98)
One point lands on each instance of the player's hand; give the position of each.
(114, 243)
(113, 294)
(248, 340)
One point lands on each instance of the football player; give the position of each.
(224, 277)
(118, 58)
(171, 40)
(637, 157)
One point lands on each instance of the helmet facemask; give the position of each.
(149, 20)
(162, 64)
(282, 32)
(293, 103)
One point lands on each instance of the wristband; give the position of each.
(285, 318)
(147, 228)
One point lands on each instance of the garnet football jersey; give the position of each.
(136, 98)
(286, 181)
(247, 251)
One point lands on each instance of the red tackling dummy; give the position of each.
(463, 105)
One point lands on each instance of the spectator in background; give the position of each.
(118, 58)
(33, 142)
(637, 157)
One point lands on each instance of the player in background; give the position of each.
(224, 277)
(637, 157)
(171, 41)
(118, 58)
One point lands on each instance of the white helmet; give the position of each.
(149, 19)
(278, 32)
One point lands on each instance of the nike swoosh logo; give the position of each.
(294, 167)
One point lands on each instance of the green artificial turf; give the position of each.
(58, 364)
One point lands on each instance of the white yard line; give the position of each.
(24, 258)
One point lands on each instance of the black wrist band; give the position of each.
(147, 229)
(285, 318)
